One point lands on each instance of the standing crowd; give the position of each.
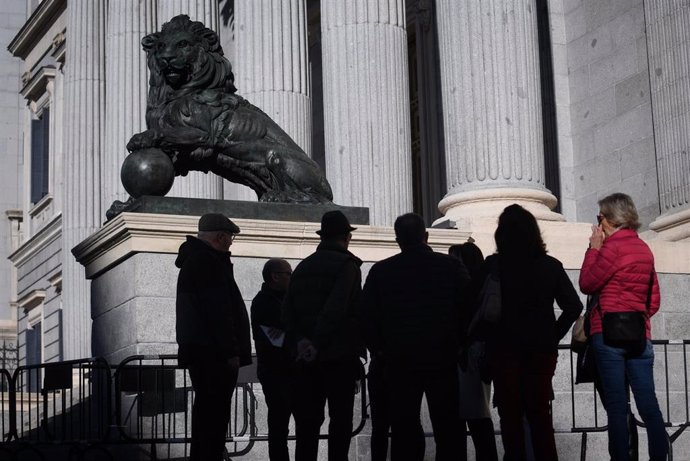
(435, 326)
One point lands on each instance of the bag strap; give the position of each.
(648, 302)
(592, 302)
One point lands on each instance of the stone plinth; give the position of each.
(307, 212)
(130, 262)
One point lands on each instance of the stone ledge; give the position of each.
(300, 212)
(130, 233)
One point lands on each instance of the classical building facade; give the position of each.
(453, 109)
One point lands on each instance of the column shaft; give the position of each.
(489, 53)
(668, 43)
(84, 136)
(196, 184)
(366, 106)
(126, 87)
(272, 69)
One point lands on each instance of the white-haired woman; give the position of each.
(620, 267)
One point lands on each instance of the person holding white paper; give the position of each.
(274, 365)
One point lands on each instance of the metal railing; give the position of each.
(672, 392)
(146, 401)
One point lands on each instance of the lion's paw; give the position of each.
(141, 140)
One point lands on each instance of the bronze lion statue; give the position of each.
(195, 117)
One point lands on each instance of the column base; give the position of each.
(489, 203)
(477, 211)
(673, 227)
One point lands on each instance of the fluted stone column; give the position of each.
(366, 106)
(272, 69)
(126, 86)
(205, 11)
(491, 94)
(668, 46)
(196, 184)
(84, 139)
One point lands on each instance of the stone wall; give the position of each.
(610, 110)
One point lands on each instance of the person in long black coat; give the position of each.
(274, 366)
(522, 348)
(412, 305)
(212, 331)
(321, 317)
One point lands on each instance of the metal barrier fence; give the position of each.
(153, 405)
(671, 389)
(147, 401)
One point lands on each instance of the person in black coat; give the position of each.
(412, 304)
(522, 348)
(321, 314)
(274, 365)
(212, 330)
(475, 394)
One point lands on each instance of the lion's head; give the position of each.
(186, 54)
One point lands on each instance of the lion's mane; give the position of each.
(210, 71)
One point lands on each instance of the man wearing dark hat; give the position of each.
(322, 322)
(212, 331)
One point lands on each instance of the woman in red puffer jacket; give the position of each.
(620, 267)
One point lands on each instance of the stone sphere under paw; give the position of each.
(147, 172)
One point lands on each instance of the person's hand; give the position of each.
(234, 362)
(306, 351)
(596, 240)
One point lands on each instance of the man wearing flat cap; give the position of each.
(322, 322)
(212, 329)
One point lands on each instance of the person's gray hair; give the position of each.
(208, 235)
(619, 210)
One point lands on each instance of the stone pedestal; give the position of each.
(131, 265)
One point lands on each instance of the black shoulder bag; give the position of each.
(628, 330)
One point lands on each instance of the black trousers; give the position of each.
(407, 387)
(278, 388)
(378, 406)
(316, 384)
(213, 382)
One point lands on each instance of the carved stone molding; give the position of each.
(58, 47)
(36, 26)
(32, 299)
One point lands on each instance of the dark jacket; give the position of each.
(322, 303)
(528, 290)
(412, 305)
(620, 270)
(266, 311)
(211, 316)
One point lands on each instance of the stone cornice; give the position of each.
(131, 233)
(14, 214)
(41, 205)
(31, 299)
(44, 237)
(36, 26)
(37, 84)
